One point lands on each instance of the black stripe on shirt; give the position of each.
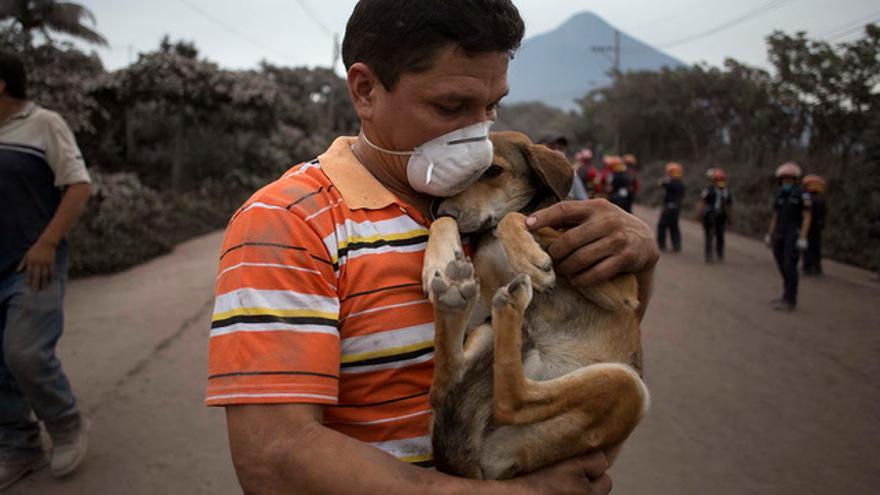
(293, 320)
(263, 373)
(412, 241)
(392, 287)
(280, 246)
(384, 402)
(307, 196)
(389, 359)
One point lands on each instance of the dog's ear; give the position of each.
(551, 167)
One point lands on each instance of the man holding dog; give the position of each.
(321, 341)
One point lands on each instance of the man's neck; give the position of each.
(9, 107)
(391, 172)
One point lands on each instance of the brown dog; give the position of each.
(556, 372)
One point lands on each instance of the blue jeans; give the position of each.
(31, 378)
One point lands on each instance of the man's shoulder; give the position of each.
(45, 117)
(303, 189)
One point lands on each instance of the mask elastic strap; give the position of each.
(383, 150)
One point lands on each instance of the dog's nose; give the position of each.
(438, 209)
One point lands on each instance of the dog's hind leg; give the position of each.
(611, 395)
(515, 450)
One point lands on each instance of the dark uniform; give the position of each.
(716, 203)
(620, 191)
(813, 254)
(669, 217)
(789, 206)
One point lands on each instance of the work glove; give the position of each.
(802, 244)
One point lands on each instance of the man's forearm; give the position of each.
(72, 206)
(323, 461)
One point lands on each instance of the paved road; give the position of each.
(745, 400)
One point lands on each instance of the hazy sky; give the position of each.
(238, 34)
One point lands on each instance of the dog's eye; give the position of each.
(493, 171)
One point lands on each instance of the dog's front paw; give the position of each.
(454, 289)
(533, 261)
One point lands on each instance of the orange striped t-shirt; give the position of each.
(319, 300)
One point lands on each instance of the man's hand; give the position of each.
(39, 263)
(601, 241)
(584, 475)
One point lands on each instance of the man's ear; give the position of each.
(363, 85)
(551, 167)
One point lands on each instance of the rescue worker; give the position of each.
(815, 186)
(673, 196)
(788, 231)
(619, 184)
(588, 172)
(632, 171)
(603, 180)
(715, 210)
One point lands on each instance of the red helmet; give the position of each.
(674, 169)
(584, 156)
(814, 183)
(788, 169)
(719, 175)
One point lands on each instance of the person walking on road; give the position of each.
(619, 185)
(587, 172)
(633, 172)
(715, 211)
(814, 185)
(44, 187)
(789, 230)
(672, 199)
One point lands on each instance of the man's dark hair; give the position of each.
(12, 73)
(397, 36)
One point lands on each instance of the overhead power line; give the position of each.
(849, 29)
(849, 25)
(764, 8)
(309, 12)
(257, 43)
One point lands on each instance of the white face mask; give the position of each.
(447, 165)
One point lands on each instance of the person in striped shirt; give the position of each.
(321, 339)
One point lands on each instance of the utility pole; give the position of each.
(614, 49)
(615, 74)
(616, 52)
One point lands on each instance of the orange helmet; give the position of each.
(584, 156)
(630, 159)
(788, 169)
(616, 163)
(674, 169)
(814, 183)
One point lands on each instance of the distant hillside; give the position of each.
(560, 66)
